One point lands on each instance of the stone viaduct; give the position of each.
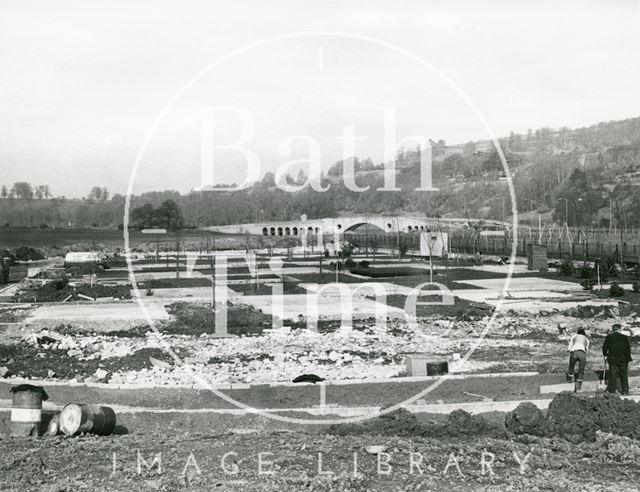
(387, 224)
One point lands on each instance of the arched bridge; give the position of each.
(388, 224)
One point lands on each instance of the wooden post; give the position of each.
(177, 256)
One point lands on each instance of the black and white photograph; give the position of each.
(278, 245)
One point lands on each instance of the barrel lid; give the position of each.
(71, 419)
(32, 388)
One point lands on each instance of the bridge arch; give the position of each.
(356, 225)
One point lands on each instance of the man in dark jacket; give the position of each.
(617, 350)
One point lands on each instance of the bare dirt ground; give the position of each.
(94, 347)
(292, 461)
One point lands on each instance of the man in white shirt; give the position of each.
(578, 348)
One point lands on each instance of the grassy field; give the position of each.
(14, 237)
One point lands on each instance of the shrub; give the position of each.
(587, 272)
(635, 287)
(346, 251)
(43, 226)
(364, 264)
(349, 263)
(566, 268)
(616, 290)
(608, 269)
(587, 284)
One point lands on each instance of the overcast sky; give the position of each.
(83, 81)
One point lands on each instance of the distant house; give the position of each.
(434, 244)
(82, 257)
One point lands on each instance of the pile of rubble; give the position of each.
(374, 352)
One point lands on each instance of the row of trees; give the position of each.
(168, 215)
(23, 190)
(545, 178)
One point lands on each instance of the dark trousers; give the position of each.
(580, 357)
(618, 370)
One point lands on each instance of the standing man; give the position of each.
(617, 350)
(578, 348)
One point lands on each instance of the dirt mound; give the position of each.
(526, 419)
(24, 253)
(404, 423)
(578, 418)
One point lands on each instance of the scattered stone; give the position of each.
(618, 448)
(100, 374)
(375, 449)
(4, 372)
(159, 363)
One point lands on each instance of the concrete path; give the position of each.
(98, 311)
(166, 409)
(525, 284)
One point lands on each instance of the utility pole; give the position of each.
(610, 215)
(530, 211)
(212, 262)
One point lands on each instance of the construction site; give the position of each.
(316, 351)
(319, 246)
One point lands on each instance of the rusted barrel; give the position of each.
(53, 429)
(77, 418)
(26, 410)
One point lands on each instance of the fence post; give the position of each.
(560, 248)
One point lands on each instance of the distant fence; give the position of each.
(562, 242)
